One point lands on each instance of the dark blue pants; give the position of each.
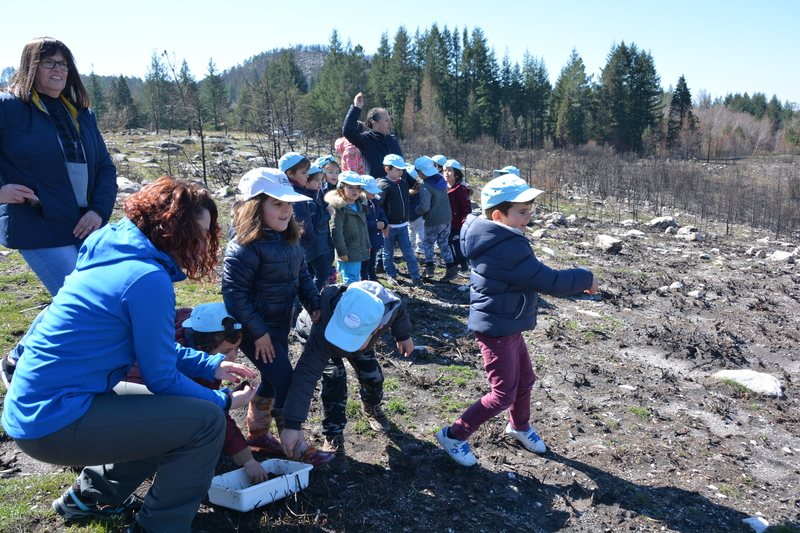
(275, 376)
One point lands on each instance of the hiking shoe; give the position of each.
(265, 443)
(458, 450)
(452, 272)
(70, 506)
(429, 271)
(417, 282)
(376, 417)
(337, 465)
(392, 280)
(7, 368)
(528, 438)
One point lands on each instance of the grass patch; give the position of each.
(737, 387)
(450, 405)
(641, 412)
(396, 406)
(730, 492)
(353, 409)
(391, 384)
(362, 427)
(460, 375)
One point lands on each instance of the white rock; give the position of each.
(686, 230)
(670, 231)
(676, 286)
(608, 244)
(629, 223)
(758, 524)
(765, 240)
(627, 387)
(780, 255)
(548, 251)
(540, 234)
(663, 222)
(755, 381)
(694, 294)
(635, 233)
(663, 290)
(125, 185)
(760, 254)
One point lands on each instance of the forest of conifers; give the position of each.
(452, 84)
(448, 92)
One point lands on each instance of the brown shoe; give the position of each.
(313, 456)
(335, 443)
(377, 419)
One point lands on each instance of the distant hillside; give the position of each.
(309, 58)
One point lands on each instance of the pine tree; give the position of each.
(400, 78)
(536, 81)
(378, 74)
(681, 117)
(121, 106)
(569, 103)
(157, 89)
(215, 96)
(96, 95)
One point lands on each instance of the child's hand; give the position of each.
(386, 233)
(405, 347)
(316, 316)
(343, 258)
(358, 101)
(290, 441)
(381, 225)
(242, 397)
(595, 286)
(255, 472)
(264, 349)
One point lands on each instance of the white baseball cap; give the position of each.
(356, 317)
(269, 181)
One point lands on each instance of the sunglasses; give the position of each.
(51, 64)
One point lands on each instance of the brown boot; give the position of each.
(335, 443)
(259, 420)
(376, 417)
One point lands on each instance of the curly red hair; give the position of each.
(166, 212)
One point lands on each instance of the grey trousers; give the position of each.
(133, 435)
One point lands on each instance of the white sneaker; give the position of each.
(458, 450)
(528, 438)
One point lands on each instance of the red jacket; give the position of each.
(459, 204)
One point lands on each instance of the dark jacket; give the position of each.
(31, 155)
(318, 351)
(349, 228)
(374, 146)
(506, 278)
(395, 198)
(434, 205)
(374, 214)
(260, 282)
(413, 203)
(302, 214)
(320, 219)
(460, 205)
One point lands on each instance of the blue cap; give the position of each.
(507, 188)
(396, 161)
(324, 160)
(413, 173)
(356, 317)
(207, 318)
(288, 160)
(439, 160)
(370, 184)
(452, 163)
(351, 178)
(314, 169)
(424, 164)
(510, 169)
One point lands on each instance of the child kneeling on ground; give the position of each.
(353, 318)
(505, 280)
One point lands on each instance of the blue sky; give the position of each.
(719, 46)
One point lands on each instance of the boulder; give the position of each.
(780, 255)
(670, 231)
(686, 230)
(664, 222)
(119, 158)
(608, 244)
(540, 234)
(759, 382)
(124, 185)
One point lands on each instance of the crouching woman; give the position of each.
(116, 309)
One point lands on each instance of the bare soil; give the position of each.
(640, 436)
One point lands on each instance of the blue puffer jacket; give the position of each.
(31, 155)
(320, 218)
(302, 214)
(507, 278)
(116, 308)
(261, 280)
(374, 146)
(374, 214)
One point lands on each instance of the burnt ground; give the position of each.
(640, 436)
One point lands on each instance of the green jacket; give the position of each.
(349, 228)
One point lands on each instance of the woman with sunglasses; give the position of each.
(57, 181)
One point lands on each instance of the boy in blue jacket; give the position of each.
(505, 283)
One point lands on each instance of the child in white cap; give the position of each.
(505, 283)
(264, 271)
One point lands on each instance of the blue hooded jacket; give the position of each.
(116, 308)
(506, 278)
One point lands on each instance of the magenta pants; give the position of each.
(509, 371)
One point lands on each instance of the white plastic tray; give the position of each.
(234, 491)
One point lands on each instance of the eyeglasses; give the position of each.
(50, 64)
